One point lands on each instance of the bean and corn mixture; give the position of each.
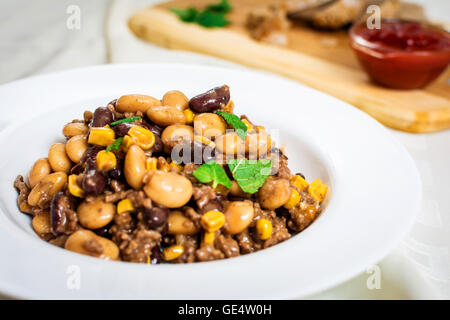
(172, 180)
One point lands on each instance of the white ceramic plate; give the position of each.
(374, 188)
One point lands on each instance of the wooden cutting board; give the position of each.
(321, 60)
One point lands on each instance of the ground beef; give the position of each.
(190, 245)
(304, 213)
(188, 170)
(117, 186)
(138, 246)
(193, 215)
(123, 226)
(113, 197)
(140, 199)
(24, 191)
(87, 116)
(227, 245)
(247, 242)
(202, 195)
(283, 171)
(208, 253)
(279, 232)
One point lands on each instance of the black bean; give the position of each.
(156, 217)
(210, 100)
(94, 182)
(117, 172)
(57, 213)
(102, 117)
(104, 232)
(155, 256)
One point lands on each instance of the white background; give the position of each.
(34, 39)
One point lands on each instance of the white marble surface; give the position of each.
(34, 39)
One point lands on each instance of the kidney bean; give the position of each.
(197, 152)
(102, 117)
(156, 216)
(122, 129)
(210, 100)
(94, 182)
(158, 146)
(155, 256)
(90, 157)
(152, 127)
(58, 217)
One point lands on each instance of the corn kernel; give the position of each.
(127, 142)
(101, 136)
(189, 116)
(299, 182)
(144, 138)
(247, 124)
(74, 188)
(106, 160)
(172, 252)
(125, 205)
(294, 199)
(229, 107)
(151, 163)
(208, 238)
(164, 167)
(318, 190)
(264, 229)
(205, 141)
(177, 166)
(260, 129)
(212, 220)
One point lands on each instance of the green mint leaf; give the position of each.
(234, 121)
(186, 15)
(125, 120)
(212, 172)
(115, 145)
(211, 19)
(250, 174)
(223, 6)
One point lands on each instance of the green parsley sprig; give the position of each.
(125, 120)
(212, 16)
(250, 174)
(212, 172)
(115, 145)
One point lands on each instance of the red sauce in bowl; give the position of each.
(401, 54)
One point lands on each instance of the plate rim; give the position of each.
(11, 126)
